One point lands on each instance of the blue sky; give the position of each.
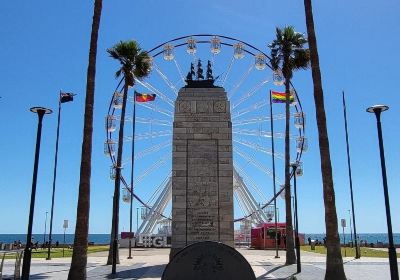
(44, 48)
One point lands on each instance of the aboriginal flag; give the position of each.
(280, 97)
(144, 97)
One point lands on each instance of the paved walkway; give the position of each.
(148, 264)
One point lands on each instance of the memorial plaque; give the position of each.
(202, 183)
(208, 261)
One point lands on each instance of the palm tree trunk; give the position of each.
(115, 218)
(79, 255)
(112, 238)
(334, 261)
(290, 254)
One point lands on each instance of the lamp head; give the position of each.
(41, 109)
(377, 108)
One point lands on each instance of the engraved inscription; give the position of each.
(207, 263)
(202, 224)
(202, 195)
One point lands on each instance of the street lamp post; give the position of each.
(377, 110)
(343, 223)
(63, 98)
(351, 231)
(65, 226)
(26, 266)
(45, 229)
(294, 166)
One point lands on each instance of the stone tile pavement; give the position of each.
(148, 264)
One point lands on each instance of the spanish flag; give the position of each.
(280, 97)
(144, 97)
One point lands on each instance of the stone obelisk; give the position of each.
(202, 169)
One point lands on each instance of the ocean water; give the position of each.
(362, 237)
(69, 238)
(105, 238)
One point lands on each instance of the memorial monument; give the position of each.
(208, 261)
(202, 169)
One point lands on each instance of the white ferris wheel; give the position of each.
(246, 75)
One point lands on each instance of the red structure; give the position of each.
(263, 237)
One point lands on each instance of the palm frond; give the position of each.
(301, 59)
(275, 61)
(279, 34)
(118, 73)
(142, 65)
(135, 62)
(299, 40)
(287, 51)
(113, 53)
(288, 33)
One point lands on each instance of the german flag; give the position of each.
(280, 97)
(144, 97)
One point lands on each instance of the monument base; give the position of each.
(208, 260)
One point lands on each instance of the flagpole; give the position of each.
(350, 178)
(132, 165)
(273, 173)
(54, 177)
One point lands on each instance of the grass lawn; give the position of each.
(350, 252)
(58, 252)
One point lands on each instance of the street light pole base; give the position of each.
(48, 259)
(129, 258)
(277, 257)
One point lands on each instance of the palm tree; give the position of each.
(334, 261)
(288, 53)
(79, 255)
(135, 64)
